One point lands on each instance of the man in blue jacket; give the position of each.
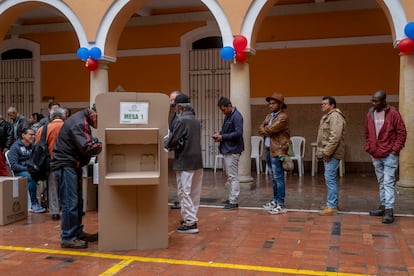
(231, 146)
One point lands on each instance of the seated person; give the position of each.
(18, 154)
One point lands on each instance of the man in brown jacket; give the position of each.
(275, 129)
(331, 148)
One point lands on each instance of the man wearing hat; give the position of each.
(185, 140)
(275, 129)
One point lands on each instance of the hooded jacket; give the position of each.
(391, 137)
(331, 132)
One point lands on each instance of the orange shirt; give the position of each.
(53, 129)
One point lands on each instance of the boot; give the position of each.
(379, 212)
(388, 216)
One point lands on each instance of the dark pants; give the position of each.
(70, 189)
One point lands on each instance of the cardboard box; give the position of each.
(13, 199)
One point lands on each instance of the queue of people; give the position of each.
(71, 145)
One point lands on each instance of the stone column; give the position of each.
(98, 85)
(99, 80)
(240, 98)
(406, 182)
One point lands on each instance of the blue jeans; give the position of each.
(268, 161)
(70, 189)
(31, 186)
(385, 171)
(278, 179)
(331, 179)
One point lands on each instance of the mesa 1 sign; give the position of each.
(133, 113)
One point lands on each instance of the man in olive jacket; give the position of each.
(331, 148)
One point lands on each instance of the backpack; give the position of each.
(38, 164)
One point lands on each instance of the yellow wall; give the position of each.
(337, 71)
(67, 81)
(146, 73)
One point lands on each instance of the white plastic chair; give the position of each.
(9, 169)
(257, 151)
(298, 143)
(218, 156)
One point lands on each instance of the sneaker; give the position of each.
(278, 210)
(77, 244)
(270, 205)
(37, 209)
(231, 206)
(328, 212)
(188, 229)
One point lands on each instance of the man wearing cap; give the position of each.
(275, 129)
(331, 148)
(231, 146)
(185, 141)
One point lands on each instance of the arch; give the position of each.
(396, 17)
(62, 7)
(33, 47)
(186, 44)
(106, 23)
(222, 21)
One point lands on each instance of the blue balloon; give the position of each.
(227, 53)
(95, 53)
(409, 30)
(83, 53)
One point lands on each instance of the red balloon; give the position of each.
(91, 64)
(239, 43)
(241, 57)
(406, 45)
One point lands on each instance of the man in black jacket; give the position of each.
(6, 140)
(73, 149)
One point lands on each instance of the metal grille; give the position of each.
(209, 80)
(16, 86)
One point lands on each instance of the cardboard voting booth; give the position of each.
(133, 170)
(13, 199)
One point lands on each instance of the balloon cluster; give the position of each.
(90, 57)
(238, 53)
(406, 45)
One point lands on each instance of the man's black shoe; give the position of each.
(77, 244)
(388, 216)
(176, 205)
(88, 237)
(55, 217)
(379, 212)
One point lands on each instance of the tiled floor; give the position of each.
(247, 241)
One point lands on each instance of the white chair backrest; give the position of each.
(298, 143)
(257, 145)
(6, 155)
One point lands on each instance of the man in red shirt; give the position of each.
(385, 135)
